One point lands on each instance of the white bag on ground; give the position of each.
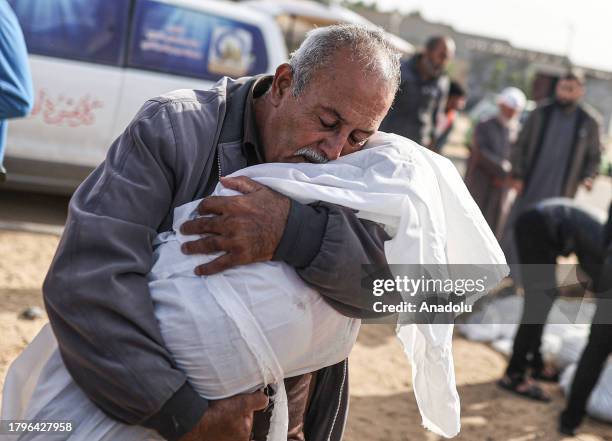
(278, 326)
(496, 321)
(572, 346)
(563, 338)
(600, 402)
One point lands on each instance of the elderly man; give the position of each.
(489, 167)
(423, 93)
(325, 103)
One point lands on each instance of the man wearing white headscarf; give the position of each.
(489, 166)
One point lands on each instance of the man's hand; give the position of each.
(247, 228)
(230, 419)
(517, 184)
(588, 184)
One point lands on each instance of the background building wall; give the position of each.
(487, 65)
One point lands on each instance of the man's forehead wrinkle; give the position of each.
(356, 100)
(335, 112)
(365, 126)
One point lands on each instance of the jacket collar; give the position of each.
(239, 125)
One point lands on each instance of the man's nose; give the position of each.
(332, 147)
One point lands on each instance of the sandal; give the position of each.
(532, 392)
(547, 374)
(566, 430)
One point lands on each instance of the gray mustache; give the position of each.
(311, 155)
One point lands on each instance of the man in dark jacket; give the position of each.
(559, 147)
(325, 103)
(423, 93)
(558, 150)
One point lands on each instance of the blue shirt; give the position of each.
(16, 96)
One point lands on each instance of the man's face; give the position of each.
(507, 112)
(334, 116)
(456, 102)
(438, 58)
(568, 91)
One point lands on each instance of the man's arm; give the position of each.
(519, 149)
(593, 154)
(439, 109)
(15, 81)
(96, 291)
(494, 164)
(327, 245)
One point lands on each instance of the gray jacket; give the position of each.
(96, 291)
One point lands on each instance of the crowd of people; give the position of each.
(523, 177)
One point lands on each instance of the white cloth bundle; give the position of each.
(253, 325)
(599, 404)
(245, 328)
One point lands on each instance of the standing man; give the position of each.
(558, 150)
(324, 103)
(423, 93)
(488, 171)
(16, 96)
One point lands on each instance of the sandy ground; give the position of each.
(382, 404)
(24, 263)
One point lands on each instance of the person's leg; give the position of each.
(535, 246)
(299, 390)
(522, 350)
(587, 374)
(595, 354)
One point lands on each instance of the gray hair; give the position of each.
(367, 45)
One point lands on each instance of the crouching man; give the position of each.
(558, 227)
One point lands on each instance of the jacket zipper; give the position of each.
(219, 162)
(331, 429)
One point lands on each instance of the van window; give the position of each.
(188, 42)
(88, 30)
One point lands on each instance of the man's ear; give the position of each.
(281, 84)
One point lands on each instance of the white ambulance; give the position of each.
(95, 62)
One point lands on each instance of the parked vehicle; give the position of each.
(95, 62)
(296, 18)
